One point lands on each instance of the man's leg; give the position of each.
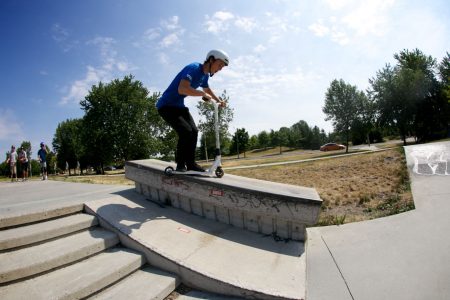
(176, 118)
(191, 144)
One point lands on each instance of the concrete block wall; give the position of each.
(259, 206)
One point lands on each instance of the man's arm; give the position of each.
(184, 88)
(218, 100)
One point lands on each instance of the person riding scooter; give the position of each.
(172, 109)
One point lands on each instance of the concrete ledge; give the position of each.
(259, 206)
(206, 255)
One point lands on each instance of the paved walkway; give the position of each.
(406, 256)
(30, 198)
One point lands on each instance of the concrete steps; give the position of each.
(147, 283)
(78, 280)
(207, 255)
(71, 258)
(29, 234)
(29, 261)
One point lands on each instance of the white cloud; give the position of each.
(152, 34)
(10, 126)
(369, 17)
(105, 44)
(339, 37)
(319, 29)
(260, 48)
(264, 92)
(168, 34)
(353, 21)
(62, 37)
(246, 24)
(223, 15)
(171, 23)
(219, 22)
(59, 34)
(163, 58)
(338, 4)
(110, 68)
(170, 40)
(80, 88)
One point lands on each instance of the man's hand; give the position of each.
(206, 97)
(222, 103)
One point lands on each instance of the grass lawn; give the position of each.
(97, 179)
(352, 188)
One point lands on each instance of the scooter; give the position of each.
(216, 168)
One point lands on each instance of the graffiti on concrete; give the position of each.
(216, 192)
(175, 183)
(431, 161)
(259, 203)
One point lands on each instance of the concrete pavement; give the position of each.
(405, 256)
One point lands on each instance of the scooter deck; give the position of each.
(193, 173)
(218, 172)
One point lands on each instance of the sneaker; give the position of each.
(46, 177)
(195, 167)
(181, 168)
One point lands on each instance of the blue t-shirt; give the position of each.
(194, 74)
(42, 154)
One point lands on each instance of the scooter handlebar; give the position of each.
(214, 102)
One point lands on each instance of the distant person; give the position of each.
(172, 109)
(42, 156)
(12, 161)
(23, 158)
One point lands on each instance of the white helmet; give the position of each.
(218, 54)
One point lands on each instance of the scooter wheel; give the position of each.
(219, 172)
(168, 171)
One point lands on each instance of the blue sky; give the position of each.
(284, 54)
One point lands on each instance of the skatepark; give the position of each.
(224, 238)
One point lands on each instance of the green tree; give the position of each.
(444, 74)
(342, 104)
(240, 142)
(121, 123)
(206, 123)
(67, 143)
(253, 142)
(407, 95)
(263, 139)
(300, 135)
(317, 138)
(283, 137)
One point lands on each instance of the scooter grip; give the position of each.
(205, 99)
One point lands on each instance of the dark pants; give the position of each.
(181, 121)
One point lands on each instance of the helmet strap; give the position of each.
(209, 64)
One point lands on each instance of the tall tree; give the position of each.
(283, 137)
(342, 106)
(407, 95)
(263, 139)
(121, 122)
(240, 142)
(67, 143)
(300, 135)
(206, 123)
